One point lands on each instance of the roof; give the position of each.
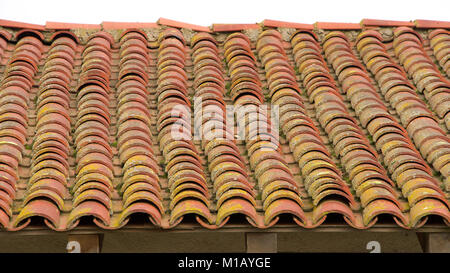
(121, 123)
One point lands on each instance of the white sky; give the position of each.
(204, 12)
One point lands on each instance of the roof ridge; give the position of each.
(223, 27)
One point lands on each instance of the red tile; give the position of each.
(125, 25)
(6, 34)
(328, 25)
(386, 23)
(59, 25)
(233, 27)
(274, 23)
(14, 24)
(172, 23)
(65, 33)
(431, 24)
(37, 33)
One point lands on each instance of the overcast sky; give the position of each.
(206, 12)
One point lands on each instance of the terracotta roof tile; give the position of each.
(126, 25)
(233, 27)
(177, 24)
(6, 34)
(336, 26)
(431, 24)
(419, 121)
(274, 23)
(65, 33)
(440, 42)
(396, 146)
(350, 143)
(25, 32)
(386, 23)
(14, 24)
(109, 129)
(59, 25)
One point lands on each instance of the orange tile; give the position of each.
(177, 24)
(14, 24)
(337, 26)
(6, 34)
(233, 27)
(431, 24)
(59, 25)
(125, 25)
(386, 23)
(274, 23)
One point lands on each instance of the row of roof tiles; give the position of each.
(402, 159)
(222, 188)
(229, 27)
(368, 177)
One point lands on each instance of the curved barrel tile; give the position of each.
(409, 50)
(187, 180)
(350, 144)
(274, 178)
(322, 177)
(14, 98)
(233, 192)
(5, 36)
(91, 192)
(440, 43)
(429, 138)
(403, 161)
(50, 166)
(141, 190)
